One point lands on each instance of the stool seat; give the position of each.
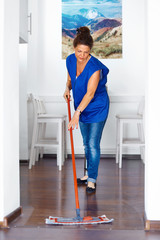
(47, 143)
(50, 116)
(133, 141)
(129, 116)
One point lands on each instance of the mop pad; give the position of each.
(77, 221)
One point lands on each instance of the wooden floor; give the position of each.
(45, 191)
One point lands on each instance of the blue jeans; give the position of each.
(91, 133)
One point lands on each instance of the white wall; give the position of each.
(2, 108)
(9, 105)
(152, 167)
(47, 70)
(127, 75)
(23, 113)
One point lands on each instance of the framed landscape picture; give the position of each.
(102, 17)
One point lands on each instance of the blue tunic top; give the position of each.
(97, 109)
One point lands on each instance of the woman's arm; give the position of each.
(66, 94)
(91, 88)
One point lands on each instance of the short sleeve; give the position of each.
(97, 65)
(70, 64)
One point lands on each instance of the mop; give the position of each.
(78, 220)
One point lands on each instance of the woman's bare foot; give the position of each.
(84, 178)
(91, 185)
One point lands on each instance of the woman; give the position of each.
(87, 77)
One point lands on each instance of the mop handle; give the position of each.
(73, 158)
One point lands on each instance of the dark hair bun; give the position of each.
(83, 30)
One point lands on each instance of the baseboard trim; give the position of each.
(151, 225)
(54, 156)
(24, 161)
(108, 156)
(69, 156)
(10, 217)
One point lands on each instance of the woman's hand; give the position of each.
(74, 121)
(66, 94)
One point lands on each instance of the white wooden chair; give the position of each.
(121, 120)
(39, 141)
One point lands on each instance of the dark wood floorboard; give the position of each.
(120, 192)
(46, 191)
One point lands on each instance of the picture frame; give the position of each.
(102, 17)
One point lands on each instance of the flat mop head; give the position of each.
(77, 220)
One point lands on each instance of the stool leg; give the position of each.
(39, 136)
(36, 151)
(59, 160)
(120, 144)
(141, 137)
(117, 140)
(34, 137)
(43, 131)
(37, 154)
(65, 143)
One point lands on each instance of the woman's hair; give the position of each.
(83, 37)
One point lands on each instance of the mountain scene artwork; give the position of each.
(102, 17)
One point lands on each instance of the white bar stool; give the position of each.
(39, 141)
(121, 120)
